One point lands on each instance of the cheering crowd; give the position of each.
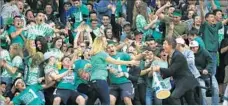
(113, 52)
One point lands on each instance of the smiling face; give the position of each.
(66, 62)
(109, 33)
(58, 43)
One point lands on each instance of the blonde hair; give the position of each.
(37, 59)
(99, 45)
(17, 50)
(28, 46)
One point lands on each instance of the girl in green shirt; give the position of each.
(99, 73)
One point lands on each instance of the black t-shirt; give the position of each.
(224, 56)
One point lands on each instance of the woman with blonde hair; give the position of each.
(32, 75)
(99, 73)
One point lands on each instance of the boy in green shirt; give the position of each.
(193, 36)
(27, 95)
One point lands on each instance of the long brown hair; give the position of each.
(142, 10)
(37, 59)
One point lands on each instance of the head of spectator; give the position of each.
(86, 54)
(40, 17)
(48, 9)
(152, 44)
(99, 44)
(194, 46)
(18, 22)
(66, 62)
(210, 17)
(15, 50)
(180, 43)
(20, 6)
(218, 14)
(138, 36)
(177, 16)
(30, 46)
(108, 33)
(11, 1)
(163, 55)
(57, 42)
(169, 45)
(2, 87)
(29, 15)
(41, 44)
(50, 58)
(111, 49)
(127, 28)
(90, 7)
(19, 84)
(197, 21)
(67, 6)
(106, 20)
(93, 15)
(94, 23)
(83, 74)
(192, 34)
(76, 3)
(190, 14)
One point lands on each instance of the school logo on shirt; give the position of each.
(28, 97)
(69, 78)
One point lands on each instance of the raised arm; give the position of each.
(160, 10)
(120, 62)
(201, 2)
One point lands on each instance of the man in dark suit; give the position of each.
(185, 83)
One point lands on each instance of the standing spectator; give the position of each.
(99, 60)
(174, 26)
(78, 12)
(177, 62)
(9, 10)
(103, 7)
(209, 30)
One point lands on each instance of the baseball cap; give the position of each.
(47, 55)
(136, 32)
(126, 23)
(177, 13)
(193, 44)
(180, 41)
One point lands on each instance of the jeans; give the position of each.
(215, 93)
(151, 98)
(102, 89)
(202, 83)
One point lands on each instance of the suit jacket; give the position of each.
(178, 69)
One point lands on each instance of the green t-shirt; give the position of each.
(68, 81)
(179, 29)
(99, 66)
(210, 35)
(80, 64)
(29, 96)
(18, 39)
(119, 68)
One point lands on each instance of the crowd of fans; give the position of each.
(108, 51)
